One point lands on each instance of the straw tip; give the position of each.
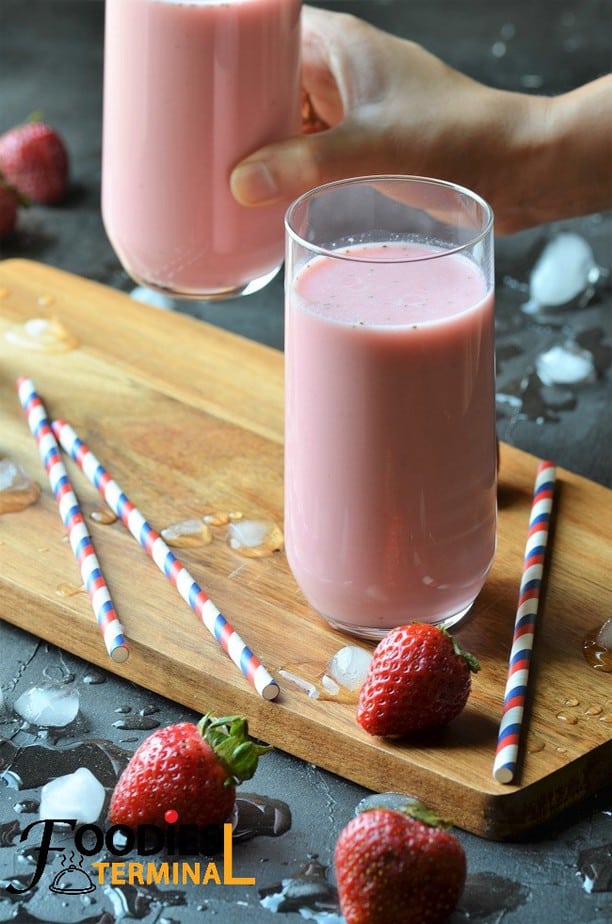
(120, 654)
(503, 774)
(270, 691)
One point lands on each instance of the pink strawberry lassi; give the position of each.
(390, 458)
(190, 88)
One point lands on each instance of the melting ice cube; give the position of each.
(77, 795)
(604, 636)
(49, 704)
(151, 297)
(565, 269)
(349, 666)
(566, 364)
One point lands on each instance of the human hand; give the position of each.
(391, 107)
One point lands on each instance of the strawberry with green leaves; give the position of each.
(394, 867)
(419, 678)
(188, 770)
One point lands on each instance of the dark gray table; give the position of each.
(51, 59)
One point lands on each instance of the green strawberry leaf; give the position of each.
(228, 736)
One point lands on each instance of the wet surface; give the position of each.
(554, 361)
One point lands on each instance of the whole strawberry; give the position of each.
(34, 159)
(9, 201)
(191, 770)
(418, 678)
(393, 868)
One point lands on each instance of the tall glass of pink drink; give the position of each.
(190, 88)
(390, 444)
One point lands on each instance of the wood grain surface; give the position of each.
(188, 419)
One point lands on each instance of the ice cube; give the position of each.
(152, 298)
(77, 795)
(604, 636)
(564, 270)
(49, 704)
(349, 666)
(566, 364)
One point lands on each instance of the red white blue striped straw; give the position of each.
(167, 562)
(506, 756)
(72, 518)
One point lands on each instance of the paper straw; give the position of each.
(168, 564)
(72, 517)
(504, 766)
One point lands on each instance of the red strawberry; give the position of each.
(418, 678)
(9, 200)
(393, 868)
(190, 769)
(34, 159)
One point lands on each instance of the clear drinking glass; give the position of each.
(390, 444)
(190, 88)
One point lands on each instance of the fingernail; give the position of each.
(252, 183)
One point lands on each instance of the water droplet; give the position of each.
(259, 816)
(64, 589)
(568, 719)
(488, 896)
(17, 490)
(606, 718)
(187, 534)
(93, 678)
(104, 516)
(572, 701)
(595, 709)
(43, 335)
(136, 723)
(308, 893)
(596, 653)
(254, 538)
(536, 746)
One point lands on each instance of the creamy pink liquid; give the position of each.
(190, 88)
(390, 466)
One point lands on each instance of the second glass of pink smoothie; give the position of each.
(390, 444)
(191, 87)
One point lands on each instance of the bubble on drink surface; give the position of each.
(45, 335)
(17, 490)
(566, 364)
(349, 666)
(565, 271)
(186, 534)
(76, 795)
(50, 705)
(254, 538)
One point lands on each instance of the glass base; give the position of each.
(217, 295)
(375, 634)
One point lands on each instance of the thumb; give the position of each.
(281, 172)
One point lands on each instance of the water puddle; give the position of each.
(43, 335)
(17, 490)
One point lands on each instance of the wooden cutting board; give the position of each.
(188, 419)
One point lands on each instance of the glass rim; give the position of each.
(380, 178)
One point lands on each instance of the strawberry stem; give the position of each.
(228, 736)
(471, 661)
